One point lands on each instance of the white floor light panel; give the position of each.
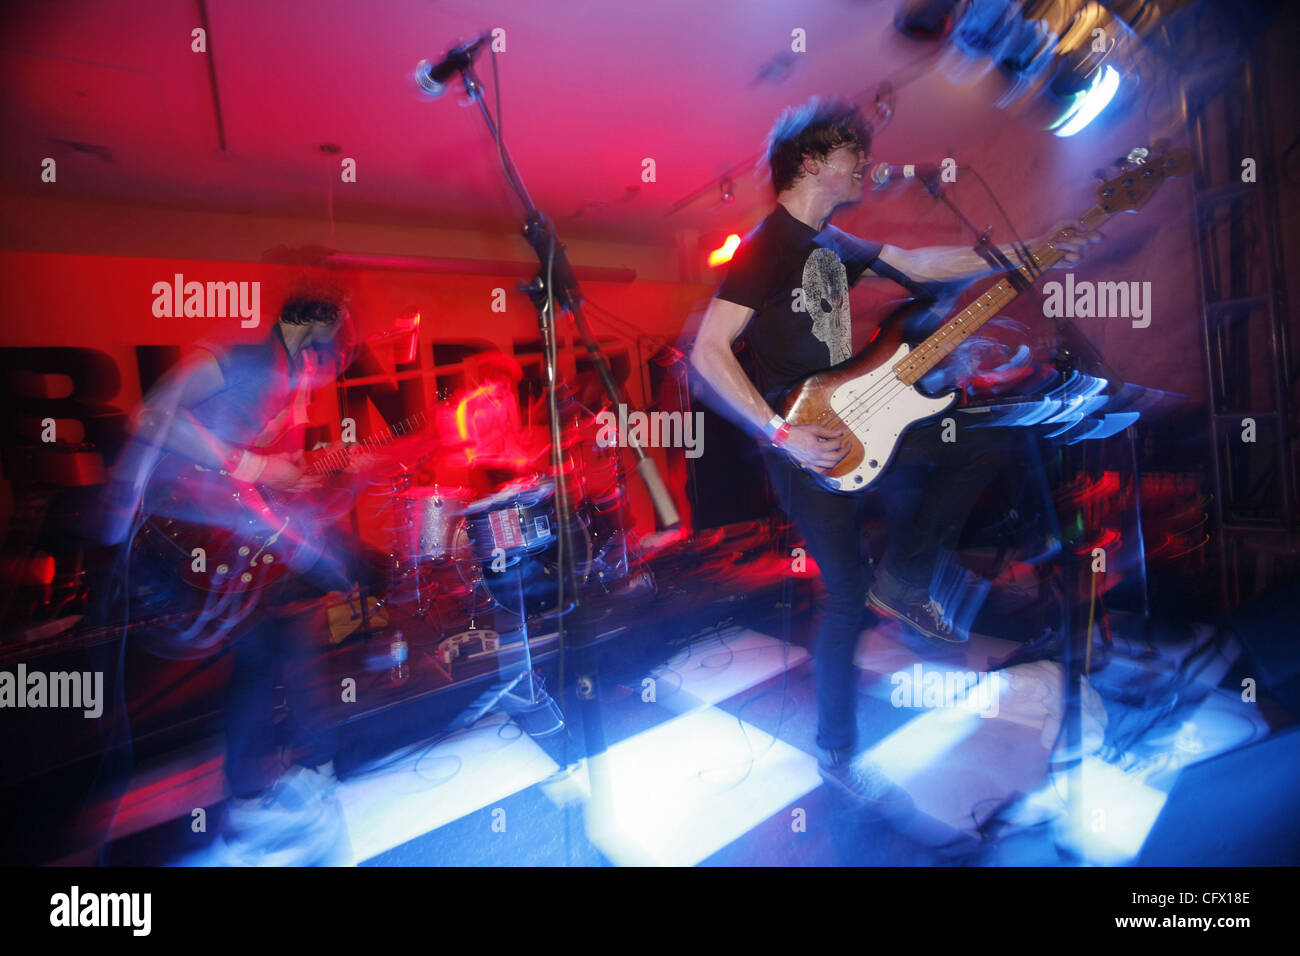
(679, 792)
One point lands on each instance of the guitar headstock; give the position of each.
(1142, 175)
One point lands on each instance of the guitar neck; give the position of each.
(337, 459)
(969, 320)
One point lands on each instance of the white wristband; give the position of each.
(772, 427)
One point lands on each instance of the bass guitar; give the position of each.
(873, 396)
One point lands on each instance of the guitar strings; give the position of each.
(854, 414)
(853, 409)
(412, 422)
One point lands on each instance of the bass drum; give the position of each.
(516, 521)
(537, 575)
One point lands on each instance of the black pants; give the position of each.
(283, 649)
(291, 648)
(927, 493)
(929, 490)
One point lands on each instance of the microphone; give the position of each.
(884, 175)
(432, 77)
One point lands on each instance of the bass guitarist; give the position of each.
(787, 289)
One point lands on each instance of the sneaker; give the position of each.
(260, 833)
(864, 783)
(323, 843)
(926, 617)
(323, 779)
(298, 822)
(293, 801)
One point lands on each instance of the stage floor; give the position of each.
(710, 760)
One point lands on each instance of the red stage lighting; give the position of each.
(724, 252)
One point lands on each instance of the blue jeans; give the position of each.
(275, 648)
(831, 530)
(928, 492)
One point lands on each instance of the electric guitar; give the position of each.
(873, 396)
(249, 534)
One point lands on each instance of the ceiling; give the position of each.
(589, 90)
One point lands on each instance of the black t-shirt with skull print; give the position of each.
(797, 282)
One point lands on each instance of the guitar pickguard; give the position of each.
(878, 408)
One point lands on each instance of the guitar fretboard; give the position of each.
(340, 457)
(913, 366)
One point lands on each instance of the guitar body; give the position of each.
(229, 538)
(873, 396)
(249, 538)
(867, 399)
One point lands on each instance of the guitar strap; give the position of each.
(1000, 263)
(1027, 259)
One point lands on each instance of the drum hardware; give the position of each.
(523, 527)
(539, 717)
(514, 545)
(432, 514)
(452, 648)
(609, 553)
(533, 699)
(504, 548)
(555, 286)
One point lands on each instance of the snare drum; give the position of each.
(519, 519)
(431, 516)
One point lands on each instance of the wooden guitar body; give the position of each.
(873, 396)
(866, 397)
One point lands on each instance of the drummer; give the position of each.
(484, 442)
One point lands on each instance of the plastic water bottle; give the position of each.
(397, 653)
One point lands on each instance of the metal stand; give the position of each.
(556, 283)
(1071, 733)
(1243, 284)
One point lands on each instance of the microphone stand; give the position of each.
(556, 286)
(1072, 670)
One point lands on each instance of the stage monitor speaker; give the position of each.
(1266, 628)
(1233, 810)
(729, 482)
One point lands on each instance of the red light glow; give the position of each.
(723, 254)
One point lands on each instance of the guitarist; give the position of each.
(787, 289)
(240, 415)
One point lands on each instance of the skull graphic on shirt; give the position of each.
(826, 297)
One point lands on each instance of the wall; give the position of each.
(62, 296)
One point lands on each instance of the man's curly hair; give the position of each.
(813, 129)
(308, 306)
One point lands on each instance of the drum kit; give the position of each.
(501, 551)
(456, 556)
(514, 531)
